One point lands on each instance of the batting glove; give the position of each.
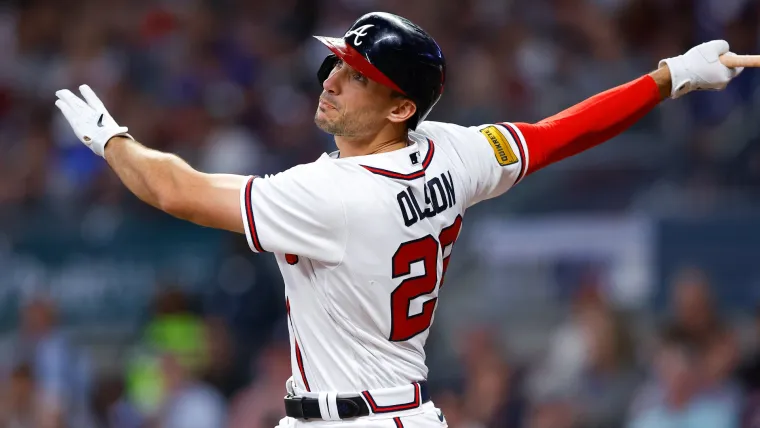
(89, 119)
(700, 69)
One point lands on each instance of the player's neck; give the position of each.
(349, 147)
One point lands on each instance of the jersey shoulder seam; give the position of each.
(453, 154)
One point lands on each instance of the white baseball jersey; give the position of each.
(363, 244)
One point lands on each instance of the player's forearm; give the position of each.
(594, 120)
(168, 183)
(151, 175)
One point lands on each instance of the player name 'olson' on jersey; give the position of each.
(439, 196)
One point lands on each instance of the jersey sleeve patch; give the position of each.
(501, 147)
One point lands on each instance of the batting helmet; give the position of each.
(394, 52)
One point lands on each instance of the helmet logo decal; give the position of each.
(358, 32)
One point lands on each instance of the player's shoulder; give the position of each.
(320, 179)
(311, 172)
(460, 137)
(315, 184)
(328, 180)
(445, 131)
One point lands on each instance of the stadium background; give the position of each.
(615, 289)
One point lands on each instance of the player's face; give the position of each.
(351, 105)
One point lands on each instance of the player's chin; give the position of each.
(323, 122)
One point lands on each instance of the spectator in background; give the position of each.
(256, 406)
(599, 394)
(491, 390)
(61, 371)
(696, 316)
(683, 392)
(23, 173)
(693, 307)
(551, 413)
(164, 378)
(609, 378)
(221, 369)
(567, 355)
(110, 406)
(19, 404)
(172, 330)
(188, 402)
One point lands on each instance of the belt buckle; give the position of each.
(347, 408)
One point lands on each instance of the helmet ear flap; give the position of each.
(324, 70)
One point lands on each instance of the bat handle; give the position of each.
(734, 61)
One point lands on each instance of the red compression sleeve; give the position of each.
(588, 123)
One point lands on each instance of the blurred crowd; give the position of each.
(694, 367)
(230, 86)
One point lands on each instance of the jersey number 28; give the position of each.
(403, 325)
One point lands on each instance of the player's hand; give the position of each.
(700, 69)
(89, 119)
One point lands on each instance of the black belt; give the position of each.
(348, 407)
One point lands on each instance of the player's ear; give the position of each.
(402, 108)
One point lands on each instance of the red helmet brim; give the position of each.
(352, 57)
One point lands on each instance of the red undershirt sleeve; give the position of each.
(588, 123)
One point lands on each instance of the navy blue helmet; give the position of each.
(394, 52)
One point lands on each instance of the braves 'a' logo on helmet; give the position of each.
(358, 32)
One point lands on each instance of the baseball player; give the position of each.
(363, 235)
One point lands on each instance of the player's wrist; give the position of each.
(118, 137)
(664, 80)
(115, 140)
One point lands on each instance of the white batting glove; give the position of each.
(700, 69)
(90, 120)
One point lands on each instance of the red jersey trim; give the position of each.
(249, 216)
(397, 407)
(410, 176)
(518, 143)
